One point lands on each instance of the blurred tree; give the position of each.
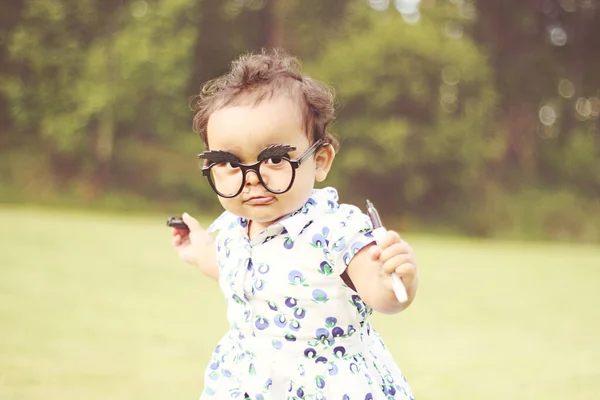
(225, 28)
(546, 55)
(238, 26)
(415, 126)
(308, 26)
(91, 67)
(449, 109)
(9, 18)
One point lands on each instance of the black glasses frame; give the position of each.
(296, 163)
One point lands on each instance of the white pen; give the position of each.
(378, 233)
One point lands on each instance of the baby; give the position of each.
(300, 272)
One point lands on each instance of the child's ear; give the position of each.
(323, 161)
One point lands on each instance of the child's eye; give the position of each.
(228, 165)
(274, 160)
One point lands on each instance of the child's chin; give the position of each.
(264, 218)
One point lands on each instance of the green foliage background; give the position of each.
(472, 116)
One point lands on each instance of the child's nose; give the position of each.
(252, 178)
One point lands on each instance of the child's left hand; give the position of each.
(369, 271)
(397, 257)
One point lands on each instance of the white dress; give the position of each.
(296, 330)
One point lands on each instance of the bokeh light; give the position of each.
(256, 5)
(583, 107)
(379, 5)
(451, 75)
(468, 10)
(547, 115)
(139, 9)
(558, 35)
(566, 88)
(453, 29)
(568, 5)
(412, 18)
(449, 97)
(407, 7)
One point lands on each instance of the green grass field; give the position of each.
(99, 307)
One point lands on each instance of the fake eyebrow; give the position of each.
(275, 150)
(219, 156)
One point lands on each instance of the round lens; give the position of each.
(226, 178)
(277, 174)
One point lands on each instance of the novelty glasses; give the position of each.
(275, 170)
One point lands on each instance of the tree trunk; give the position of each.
(106, 122)
(276, 11)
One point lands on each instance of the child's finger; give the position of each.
(375, 252)
(392, 264)
(176, 240)
(407, 273)
(191, 222)
(177, 231)
(389, 239)
(406, 270)
(393, 250)
(183, 233)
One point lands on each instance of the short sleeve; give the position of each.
(224, 226)
(223, 221)
(350, 233)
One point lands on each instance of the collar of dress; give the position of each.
(319, 202)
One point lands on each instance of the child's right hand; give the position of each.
(196, 246)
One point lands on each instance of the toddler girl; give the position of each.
(300, 272)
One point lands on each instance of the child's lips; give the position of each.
(260, 200)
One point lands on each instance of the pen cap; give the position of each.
(373, 215)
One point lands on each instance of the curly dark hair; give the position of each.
(256, 77)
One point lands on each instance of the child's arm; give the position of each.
(196, 246)
(370, 271)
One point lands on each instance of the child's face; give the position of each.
(245, 131)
